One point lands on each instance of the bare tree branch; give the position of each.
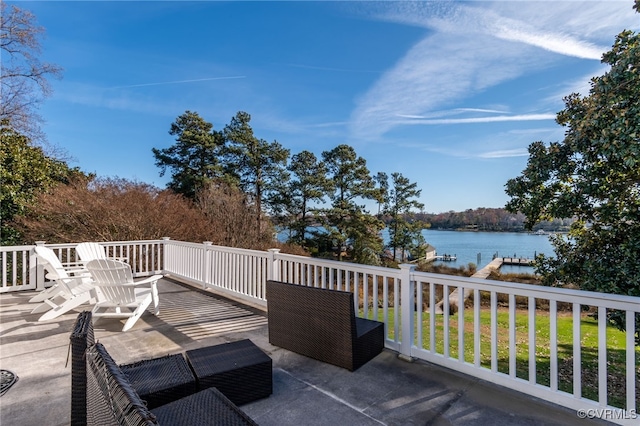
(23, 76)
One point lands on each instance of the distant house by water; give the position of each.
(430, 252)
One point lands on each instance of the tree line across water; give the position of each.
(489, 219)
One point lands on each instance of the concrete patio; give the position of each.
(385, 391)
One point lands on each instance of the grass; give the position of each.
(616, 349)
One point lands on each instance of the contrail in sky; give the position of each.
(500, 118)
(178, 82)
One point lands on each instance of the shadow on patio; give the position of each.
(385, 391)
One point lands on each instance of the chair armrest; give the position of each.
(73, 265)
(153, 283)
(75, 269)
(84, 275)
(148, 280)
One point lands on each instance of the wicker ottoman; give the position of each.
(240, 370)
(161, 380)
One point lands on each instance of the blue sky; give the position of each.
(448, 93)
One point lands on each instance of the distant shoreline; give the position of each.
(495, 230)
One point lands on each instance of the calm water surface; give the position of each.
(481, 247)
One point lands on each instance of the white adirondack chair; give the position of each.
(72, 286)
(118, 296)
(88, 251)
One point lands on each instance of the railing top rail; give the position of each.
(15, 248)
(258, 253)
(130, 242)
(336, 264)
(594, 298)
(73, 245)
(133, 242)
(183, 243)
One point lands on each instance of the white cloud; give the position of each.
(536, 131)
(489, 119)
(455, 111)
(437, 71)
(535, 26)
(329, 124)
(507, 153)
(496, 111)
(197, 80)
(553, 42)
(474, 46)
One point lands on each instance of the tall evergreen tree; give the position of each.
(382, 179)
(401, 199)
(258, 167)
(309, 184)
(351, 183)
(194, 158)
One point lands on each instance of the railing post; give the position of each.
(36, 271)
(273, 272)
(407, 309)
(163, 267)
(206, 262)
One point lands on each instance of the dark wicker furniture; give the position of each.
(321, 324)
(165, 385)
(240, 370)
(81, 338)
(111, 400)
(159, 381)
(208, 407)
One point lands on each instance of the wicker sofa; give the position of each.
(104, 393)
(111, 400)
(321, 324)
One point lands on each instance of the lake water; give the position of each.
(481, 247)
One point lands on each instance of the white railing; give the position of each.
(237, 272)
(516, 335)
(145, 256)
(512, 334)
(18, 271)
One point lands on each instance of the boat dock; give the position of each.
(496, 263)
(445, 258)
(524, 261)
(484, 273)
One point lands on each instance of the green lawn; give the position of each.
(616, 369)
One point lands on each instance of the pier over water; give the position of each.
(496, 263)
